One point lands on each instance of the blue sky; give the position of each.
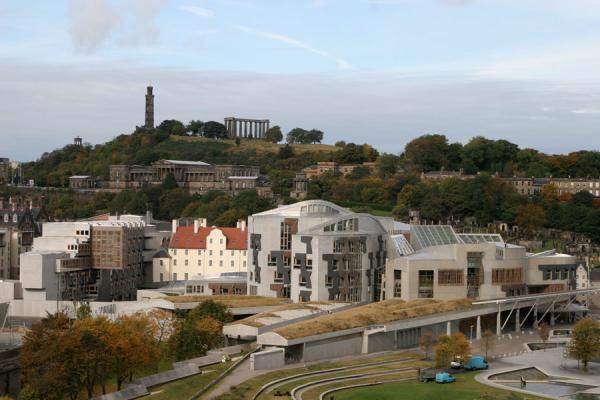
(378, 71)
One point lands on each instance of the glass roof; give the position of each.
(432, 235)
(480, 238)
(402, 245)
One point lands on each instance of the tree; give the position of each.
(84, 311)
(530, 218)
(163, 324)
(388, 163)
(195, 127)
(286, 152)
(50, 358)
(172, 127)
(544, 332)
(585, 341)
(169, 182)
(94, 361)
(274, 134)
(297, 135)
(199, 330)
(314, 136)
(451, 347)
(488, 341)
(427, 152)
(426, 343)
(214, 130)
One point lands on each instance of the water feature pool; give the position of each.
(553, 389)
(543, 346)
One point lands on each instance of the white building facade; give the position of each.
(317, 251)
(198, 250)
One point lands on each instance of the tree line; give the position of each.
(63, 357)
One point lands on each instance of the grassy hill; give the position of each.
(143, 148)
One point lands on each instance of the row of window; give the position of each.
(210, 252)
(210, 263)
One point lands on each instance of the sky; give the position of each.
(374, 71)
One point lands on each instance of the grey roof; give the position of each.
(432, 235)
(402, 245)
(183, 162)
(480, 238)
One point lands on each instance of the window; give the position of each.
(174, 262)
(397, 283)
(221, 253)
(186, 262)
(220, 241)
(232, 264)
(210, 252)
(244, 263)
(199, 252)
(161, 276)
(302, 280)
(450, 277)
(210, 240)
(506, 275)
(308, 263)
(210, 263)
(199, 263)
(425, 284)
(271, 261)
(285, 236)
(277, 277)
(186, 276)
(174, 252)
(220, 263)
(186, 252)
(232, 253)
(337, 246)
(328, 281)
(160, 262)
(286, 261)
(175, 276)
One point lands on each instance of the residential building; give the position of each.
(317, 251)
(531, 186)
(96, 260)
(330, 166)
(197, 250)
(195, 176)
(445, 174)
(582, 278)
(20, 223)
(432, 261)
(4, 171)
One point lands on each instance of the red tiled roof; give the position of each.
(184, 238)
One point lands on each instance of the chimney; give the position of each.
(241, 224)
(202, 222)
(196, 223)
(174, 225)
(148, 217)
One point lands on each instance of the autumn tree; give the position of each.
(426, 343)
(450, 347)
(50, 358)
(94, 362)
(163, 324)
(585, 341)
(530, 218)
(132, 346)
(488, 341)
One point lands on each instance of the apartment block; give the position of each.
(317, 251)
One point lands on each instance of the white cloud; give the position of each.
(585, 111)
(144, 29)
(92, 22)
(198, 11)
(293, 42)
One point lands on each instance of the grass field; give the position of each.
(185, 388)
(465, 388)
(230, 301)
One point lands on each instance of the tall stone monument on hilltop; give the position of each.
(149, 109)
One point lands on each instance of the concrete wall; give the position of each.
(332, 348)
(381, 341)
(268, 359)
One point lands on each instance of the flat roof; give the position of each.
(231, 301)
(289, 312)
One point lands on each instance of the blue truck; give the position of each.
(444, 377)
(475, 363)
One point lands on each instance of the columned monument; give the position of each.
(244, 127)
(149, 109)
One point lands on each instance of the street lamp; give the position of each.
(471, 335)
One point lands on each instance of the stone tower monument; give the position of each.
(149, 109)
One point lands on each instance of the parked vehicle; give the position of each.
(444, 377)
(456, 364)
(475, 363)
(427, 375)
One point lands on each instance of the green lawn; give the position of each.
(185, 388)
(465, 388)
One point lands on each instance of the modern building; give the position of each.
(20, 223)
(223, 284)
(197, 250)
(317, 251)
(99, 260)
(195, 176)
(433, 261)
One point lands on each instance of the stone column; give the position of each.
(499, 324)
(552, 316)
(478, 328)
(517, 320)
(535, 317)
(245, 128)
(448, 328)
